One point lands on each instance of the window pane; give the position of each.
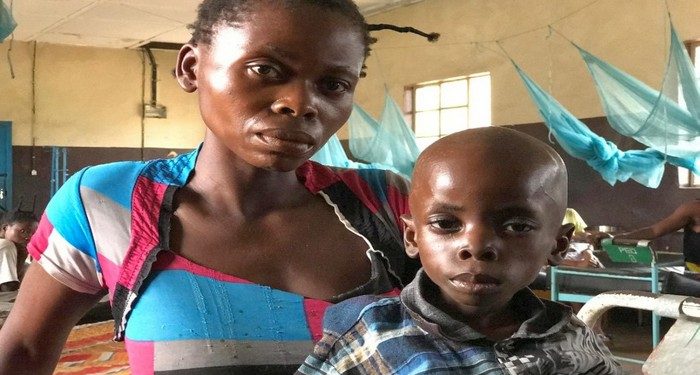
(427, 98)
(683, 177)
(453, 94)
(480, 101)
(424, 142)
(453, 120)
(428, 124)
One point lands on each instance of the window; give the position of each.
(438, 108)
(687, 179)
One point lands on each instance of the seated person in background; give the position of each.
(572, 217)
(580, 251)
(483, 222)
(16, 228)
(686, 217)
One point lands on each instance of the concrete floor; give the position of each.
(629, 338)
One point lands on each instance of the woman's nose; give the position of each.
(297, 100)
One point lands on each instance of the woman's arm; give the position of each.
(39, 323)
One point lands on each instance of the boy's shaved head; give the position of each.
(486, 214)
(495, 151)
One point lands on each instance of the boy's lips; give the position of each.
(475, 283)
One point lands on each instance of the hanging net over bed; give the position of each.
(643, 166)
(671, 129)
(7, 23)
(384, 144)
(333, 154)
(388, 141)
(652, 117)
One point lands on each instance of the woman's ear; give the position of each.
(564, 235)
(186, 67)
(409, 236)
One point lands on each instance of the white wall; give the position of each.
(631, 34)
(92, 97)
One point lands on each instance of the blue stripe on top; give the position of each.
(174, 171)
(179, 305)
(101, 179)
(67, 216)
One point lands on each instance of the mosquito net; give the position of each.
(388, 141)
(333, 154)
(7, 23)
(643, 166)
(667, 120)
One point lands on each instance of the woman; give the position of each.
(686, 217)
(225, 258)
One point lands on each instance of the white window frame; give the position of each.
(410, 106)
(686, 178)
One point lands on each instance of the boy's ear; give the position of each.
(409, 236)
(186, 67)
(566, 231)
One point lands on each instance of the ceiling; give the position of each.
(121, 23)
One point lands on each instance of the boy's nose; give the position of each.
(297, 100)
(478, 244)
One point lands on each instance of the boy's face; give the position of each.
(20, 232)
(274, 87)
(482, 231)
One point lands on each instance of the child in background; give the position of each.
(483, 221)
(16, 228)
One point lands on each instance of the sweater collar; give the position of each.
(542, 318)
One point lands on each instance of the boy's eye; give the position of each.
(518, 226)
(445, 224)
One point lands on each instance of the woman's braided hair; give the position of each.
(211, 13)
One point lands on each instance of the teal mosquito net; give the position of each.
(384, 144)
(670, 128)
(333, 154)
(7, 23)
(643, 166)
(388, 141)
(654, 118)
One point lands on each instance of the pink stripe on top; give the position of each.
(168, 260)
(40, 240)
(145, 212)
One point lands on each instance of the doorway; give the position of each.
(5, 166)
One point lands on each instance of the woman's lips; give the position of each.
(285, 142)
(475, 284)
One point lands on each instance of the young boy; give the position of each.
(16, 228)
(487, 206)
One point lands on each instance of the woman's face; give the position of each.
(276, 86)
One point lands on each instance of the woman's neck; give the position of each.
(230, 183)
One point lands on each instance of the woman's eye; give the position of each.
(335, 86)
(265, 71)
